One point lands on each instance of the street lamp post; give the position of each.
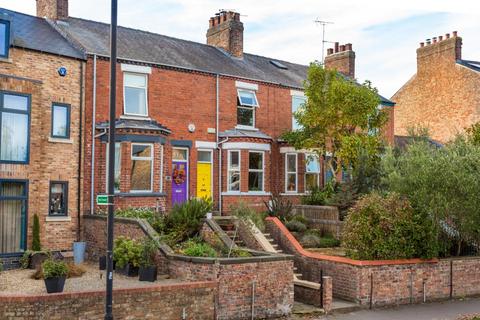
(111, 160)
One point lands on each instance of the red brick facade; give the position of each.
(443, 96)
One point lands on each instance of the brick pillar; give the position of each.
(327, 294)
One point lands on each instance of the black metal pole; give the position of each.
(111, 161)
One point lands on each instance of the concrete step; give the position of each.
(275, 245)
(279, 251)
(342, 306)
(266, 235)
(302, 309)
(271, 240)
(298, 275)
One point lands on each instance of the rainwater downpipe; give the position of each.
(217, 127)
(80, 146)
(94, 107)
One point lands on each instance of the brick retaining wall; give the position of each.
(394, 281)
(159, 302)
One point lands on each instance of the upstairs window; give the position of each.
(291, 172)
(58, 198)
(297, 103)
(60, 121)
(4, 38)
(312, 172)
(14, 127)
(255, 171)
(142, 168)
(234, 171)
(247, 102)
(135, 94)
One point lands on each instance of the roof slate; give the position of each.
(150, 125)
(37, 34)
(474, 65)
(238, 133)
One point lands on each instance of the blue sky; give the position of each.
(384, 34)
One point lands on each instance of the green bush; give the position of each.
(194, 248)
(242, 211)
(318, 197)
(127, 251)
(279, 207)
(328, 242)
(310, 240)
(54, 269)
(240, 253)
(36, 246)
(149, 249)
(296, 226)
(387, 227)
(299, 218)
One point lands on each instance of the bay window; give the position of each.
(312, 172)
(141, 174)
(135, 94)
(234, 170)
(14, 130)
(255, 171)
(291, 172)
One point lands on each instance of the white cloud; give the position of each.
(379, 30)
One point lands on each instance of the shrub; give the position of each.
(198, 249)
(245, 213)
(299, 218)
(146, 213)
(344, 198)
(240, 253)
(387, 227)
(296, 226)
(318, 197)
(36, 246)
(328, 242)
(54, 269)
(310, 240)
(149, 248)
(279, 207)
(127, 251)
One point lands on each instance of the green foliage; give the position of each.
(1, 267)
(473, 134)
(296, 226)
(344, 197)
(194, 248)
(149, 249)
(240, 253)
(328, 242)
(442, 184)
(387, 227)
(299, 218)
(279, 207)
(146, 213)
(54, 269)
(318, 197)
(127, 251)
(339, 116)
(25, 259)
(36, 246)
(242, 211)
(310, 240)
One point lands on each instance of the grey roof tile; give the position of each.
(37, 34)
(474, 65)
(238, 133)
(150, 125)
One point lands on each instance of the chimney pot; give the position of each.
(447, 35)
(440, 38)
(454, 33)
(434, 39)
(428, 41)
(329, 51)
(348, 47)
(342, 48)
(422, 44)
(336, 47)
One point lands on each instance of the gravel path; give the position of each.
(18, 282)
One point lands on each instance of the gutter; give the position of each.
(94, 107)
(80, 145)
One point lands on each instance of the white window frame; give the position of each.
(313, 172)
(146, 94)
(287, 173)
(257, 170)
(247, 107)
(255, 105)
(244, 126)
(107, 165)
(229, 170)
(293, 118)
(151, 159)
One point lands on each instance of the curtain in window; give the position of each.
(14, 142)
(11, 223)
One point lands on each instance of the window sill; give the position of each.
(58, 219)
(248, 128)
(251, 193)
(140, 194)
(60, 140)
(134, 117)
(292, 194)
(6, 60)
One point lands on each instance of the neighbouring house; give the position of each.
(443, 96)
(193, 120)
(40, 138)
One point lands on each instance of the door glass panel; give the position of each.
(179, 154)
(12, 217)
(204, 156)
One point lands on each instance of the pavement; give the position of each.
(447, 310)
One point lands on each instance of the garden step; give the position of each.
(275, 245)
(270, 240)
(279, 251)
(266, 235)
(298, 275)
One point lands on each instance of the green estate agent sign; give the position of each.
(102, 200)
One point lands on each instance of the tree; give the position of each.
(340, 117)
(36, 246)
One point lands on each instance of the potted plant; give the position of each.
(148, 269)
(127, 254)
(54, 274)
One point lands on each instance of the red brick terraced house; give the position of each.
(40, 135)
(193, 120)
(444, 94)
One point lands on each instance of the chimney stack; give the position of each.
(446, 49)
(52, 9)
(342, 59)
(226, 32)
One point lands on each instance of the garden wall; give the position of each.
(394, 281)
(167, 302)
(324, 218)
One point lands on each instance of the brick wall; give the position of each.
(442, 96)
(394, 281)
(36, 73)
(158, 302)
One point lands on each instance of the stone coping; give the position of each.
(97, 293)
(258, 256)
(366, 263)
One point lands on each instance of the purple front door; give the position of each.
(179, 182)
